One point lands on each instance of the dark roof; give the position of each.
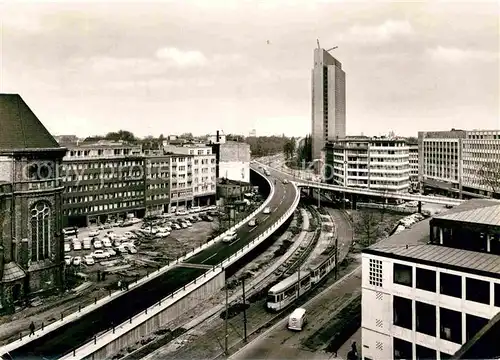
(477, 211)
(20, 128)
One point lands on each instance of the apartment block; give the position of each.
(372, 163)
(204, 177)
(413, 160)
(430, 289)
(460, 163)
(157, 184)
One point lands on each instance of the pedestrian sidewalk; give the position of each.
(346, 347)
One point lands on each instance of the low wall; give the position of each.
(399, 209)
(152, 319)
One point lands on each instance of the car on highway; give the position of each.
(68, 259)
(77, 260)
(100, 254)
(267, 210)
(267, 172)
(252, 223)
(230, 237)
(285, 181)
(88, 260)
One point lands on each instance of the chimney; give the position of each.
(217, 136)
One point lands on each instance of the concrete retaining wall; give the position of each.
(147, 323)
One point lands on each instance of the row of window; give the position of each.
(130, 175)
(422, 317)
(449, 284)
(404, 350)
(157, 197)
(104, 207)
(95, 187)
(115, 195)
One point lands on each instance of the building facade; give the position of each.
(31, 251)
(372, 163)
(428, 290)
(204, 177)
(460, 163)
(103, 181)
(328, 101)
(157, 184)
(413, 160)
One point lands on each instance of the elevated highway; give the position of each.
(364, 192)
(59, 339)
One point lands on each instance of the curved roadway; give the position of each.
(75, 334)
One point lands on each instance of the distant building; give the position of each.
(429, 290)
(252, 133)
(328, 101)
(67, 140)
(453, 162)
(413, 160)
(372, 163)
(31, 248)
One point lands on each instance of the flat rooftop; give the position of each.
(414, 245)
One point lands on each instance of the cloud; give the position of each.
(457, 55)
(181, 58)
(385, 32)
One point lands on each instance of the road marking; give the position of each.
(267, 217)
(252, 229)
(209, 257)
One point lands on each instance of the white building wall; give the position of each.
(378, 330)
(235, 170)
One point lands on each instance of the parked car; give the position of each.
(117, 242)
(195, 209)
(111, 252)
(89, 260)
(70, 231)
(106, 243)
(122, 249)
(77, 245)
(68, 260)
(132, 249)
(67, 247)
(97, 244)
(181, 213)
(231, 237)
(100, 254)
(87, 242)
(183, 225)
(77, 260)
(94, 233)
(163, 234)
(128, 234)
(134, 221)
(176, 226)
(105, 226)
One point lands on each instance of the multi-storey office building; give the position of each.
(428, 290)
(102, 180)
(204, 171)
(460, 163)
(157, 184)
(373, 163)
(328, 101)
(181, 181)
(413, 161)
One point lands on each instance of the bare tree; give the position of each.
(367, 227)
(489, 176)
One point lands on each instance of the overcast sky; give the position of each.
(198, 66)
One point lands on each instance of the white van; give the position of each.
(297, 319)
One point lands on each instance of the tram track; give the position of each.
(207, 339)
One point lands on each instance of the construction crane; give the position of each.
(319, 47)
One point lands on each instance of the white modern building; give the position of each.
(234, 161)
(428, 290)
(203, 171)
(328, 101)
(460, 163)
(377, 163)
